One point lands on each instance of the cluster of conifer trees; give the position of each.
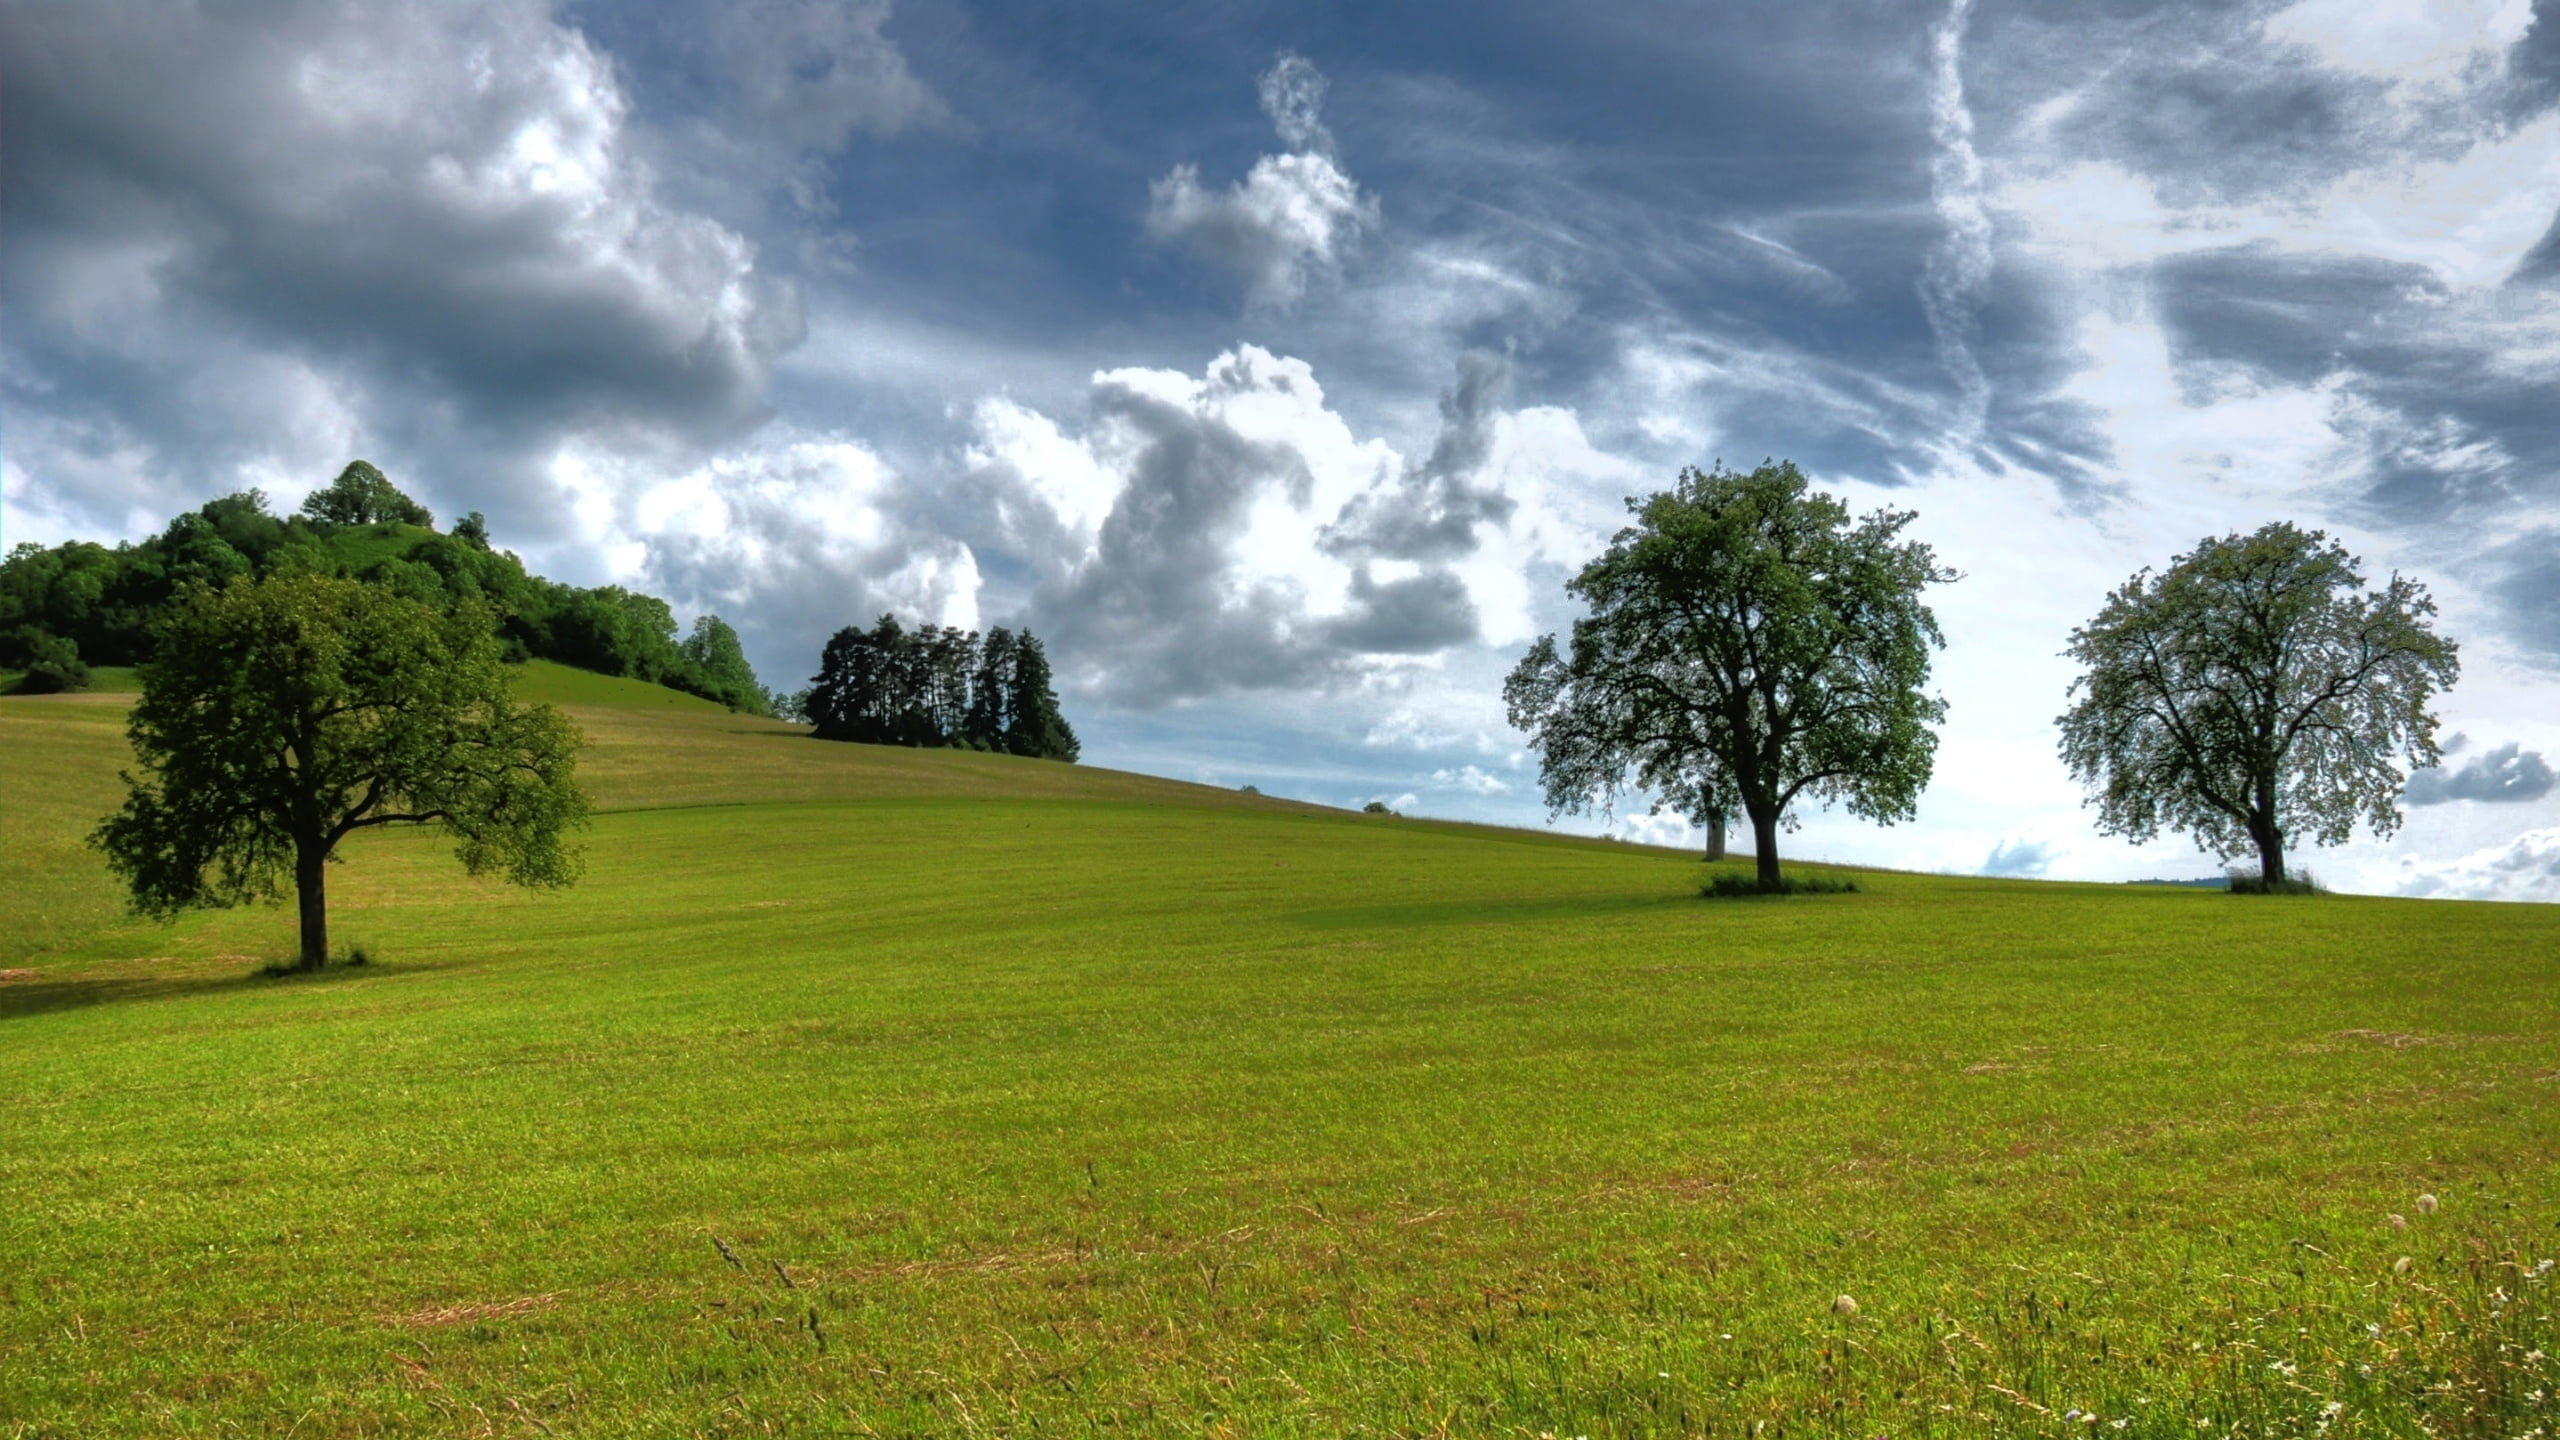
(938, 685)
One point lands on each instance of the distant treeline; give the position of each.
(938, 686)
(80, 604)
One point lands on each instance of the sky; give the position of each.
(1276, 364)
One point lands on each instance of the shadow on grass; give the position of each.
(24, 999)
(1730, 886)
(1483, 912)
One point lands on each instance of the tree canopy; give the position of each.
(1749, 646)
(362, 495)
(279, 715)
(2253, 692)
(939, 686)
(101, 602)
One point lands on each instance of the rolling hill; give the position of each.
(873, 1091)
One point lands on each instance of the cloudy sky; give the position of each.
(1277, 366)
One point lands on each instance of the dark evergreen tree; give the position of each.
(990, 692)
(938, 685)
(1033, 725)
(870, 687)
(944, 657)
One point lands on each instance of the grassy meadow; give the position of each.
(876, 1092)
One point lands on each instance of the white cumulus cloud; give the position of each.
(1231, 531)
(1292, 217)
(2525, 868)
(1472, 780)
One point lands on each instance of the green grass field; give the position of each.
(874, 1092)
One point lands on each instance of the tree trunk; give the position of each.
(2263, 831)
(2270, 857)
(1715, 836)
(311, 880)
(1764, 838)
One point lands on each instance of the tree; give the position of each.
(939, 685)
(863, 690)
(52, 664)
(716, 668)
(280, 715)
(1749, 645)
(990, 692)
(1034, 725)
(2253, 691)
(942, 657)
(361, 495)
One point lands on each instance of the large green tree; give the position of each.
(1749, 645)
(2255, 691)
(716, 668)
(363, 495)
(280, 715)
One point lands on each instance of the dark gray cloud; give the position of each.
(1433, 512)
(1153, 616)
(2505, 775)
(2541, 264)
(1417, 615)
(2018, 859)
(1209, 570)
(2198, 98)
(432, 215)
(2285, 316)
(2450, 427)
(2527, 584)
(817, 72)
(2533, 65)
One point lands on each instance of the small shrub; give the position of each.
(2245, 880)
(1247, 790)
(1729, 886)
(52, 664)
(356, 956)
(1376, 807)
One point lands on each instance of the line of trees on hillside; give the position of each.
(371, 649)
(937, 685)
(70, 606)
